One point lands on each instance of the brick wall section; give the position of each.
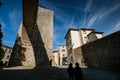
(103, 53)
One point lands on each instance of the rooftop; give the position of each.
(95, 32)
(87, 29)
(69, 31)
(7, 46)
(62, 45)
(55, 51)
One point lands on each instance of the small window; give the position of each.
(63, 50)
(85, 38)
(9, 51)
(5, 50)
(84, 32)
(7, 57)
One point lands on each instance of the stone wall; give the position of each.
(43, 36)
(104, 52)
(31, 51)
(7, 55)
(45, 26)
(22, 54)
(78, 57)
(40, 51)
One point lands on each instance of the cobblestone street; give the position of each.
(53, 73)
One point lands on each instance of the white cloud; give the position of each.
(108, 11)
(14, 19)
(86, 10)
(117, 26)
(98, 15)
(114, 28)
(3, 25)
(93, 19)
(8, 42)
(88, 6)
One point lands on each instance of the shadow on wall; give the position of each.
(40, 52)
(30, 34)
(17, 56)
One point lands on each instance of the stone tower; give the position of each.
(27, 52)
(45, 26)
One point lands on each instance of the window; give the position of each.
(84, 32)
(9, 51)
(7, 56)
(63, 50)
(85, 38)
(5, 50)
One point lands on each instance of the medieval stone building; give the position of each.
(7, 50)
(27, 52)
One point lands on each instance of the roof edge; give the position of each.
(70, 30)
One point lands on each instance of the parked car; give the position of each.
(65, 62)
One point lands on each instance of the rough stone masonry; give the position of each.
(35, 52)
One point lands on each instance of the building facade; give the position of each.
(76, 38)
(7, 55)
(63, 55)
(94, 36)
(56, 61)
(84, 32)
(72, 41)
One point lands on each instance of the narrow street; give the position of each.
(53, 73)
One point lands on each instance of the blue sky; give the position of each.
(10, 18)
(102, 15)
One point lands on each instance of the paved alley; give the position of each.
(54, 73)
